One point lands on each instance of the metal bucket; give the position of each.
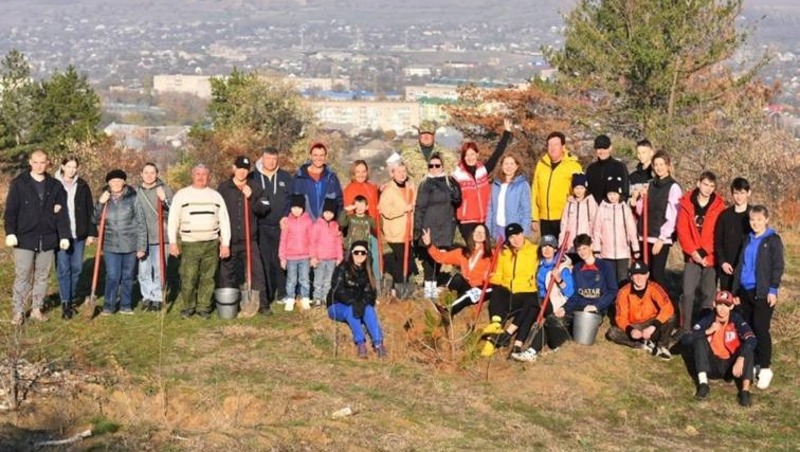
(227, 302)
(584, 327)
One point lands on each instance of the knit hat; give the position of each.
(549, 240)
(242, 162)
(579, 180)
(513, 229)
(614, 184)
(639, 268)
(116, 174)
(725, 297)
(602, 142)
(297, 200)
(359, 244)
(329, 205)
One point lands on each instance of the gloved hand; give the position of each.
(63, 244)
(474, 294)
(11, 241)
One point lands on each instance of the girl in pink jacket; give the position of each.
(614, 232)
(294, 252)
(579, 213)
(327, 251)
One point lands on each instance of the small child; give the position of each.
(614, 231)
(756, 281)
(359, 225)
(294, 252)
(327, 251)
(579, 213)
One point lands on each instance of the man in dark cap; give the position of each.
(36, 223)
(232, 271)
(605, 167)
(645, 316)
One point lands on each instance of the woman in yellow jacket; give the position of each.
(514, 295)
(552, 181)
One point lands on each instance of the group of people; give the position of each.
(605, 235)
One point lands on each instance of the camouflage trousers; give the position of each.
(199, 261)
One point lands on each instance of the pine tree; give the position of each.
(16, 102)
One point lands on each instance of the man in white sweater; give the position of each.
(199, 214)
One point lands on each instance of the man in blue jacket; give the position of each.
(316, 182)
(36, 223)
(595, 281)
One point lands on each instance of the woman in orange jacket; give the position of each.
(474, 261)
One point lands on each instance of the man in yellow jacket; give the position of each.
(552, 181)
(514, 296)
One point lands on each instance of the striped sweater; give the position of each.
(199, 215)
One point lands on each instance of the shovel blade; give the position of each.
(404, 291)
(89, 307)
(249, 303)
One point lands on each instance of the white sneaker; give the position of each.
(288, 304)
(764, 378)
(305, 304)
(648, 345)
(664, 354)
(527, 356)
(427, 291)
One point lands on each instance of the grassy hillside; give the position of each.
(274, 384)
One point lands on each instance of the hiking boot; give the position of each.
(488, 349)
(187, 313)
(66, 310)
(380, 350)
(663, 353)
(146, 304)
(362, 350)
(744, 398)
(305, 304)
(288, 304)
(18, 319)
(155, 306)
(527, 356)
(764, 377)
(703, 390)
(38, 315)
(495, 327)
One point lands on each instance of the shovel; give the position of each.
(162, 261)
(250, 297)
(405, 289)
(90, 304)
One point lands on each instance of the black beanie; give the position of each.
(297, 200)
(329, 205)
(116, 174)
(614, 184)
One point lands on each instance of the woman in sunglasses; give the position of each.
(437, 199)
(352, 299)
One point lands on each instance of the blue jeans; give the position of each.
(69, 264)
(119, 277)
(150, 274)
(323, 274)
(298, 271)
(344, 313)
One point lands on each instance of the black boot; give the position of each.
(66, 310)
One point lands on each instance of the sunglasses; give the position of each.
(359, 253)
(434, 165)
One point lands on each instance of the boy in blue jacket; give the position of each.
(595, 281)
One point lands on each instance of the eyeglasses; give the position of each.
(434, 165)
(359, 253)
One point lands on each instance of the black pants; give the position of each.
(269, 238)
(520, 308)
(554, 331)
(620, 267)
(658, 265)
(758, 314)
(461, 286)
(232, 271)
(725, 280)
(705, 360)
(550, 227)
(660, 337)
(393, 262)
(430, 268)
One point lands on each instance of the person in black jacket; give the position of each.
(732, 227)
(721, 345)
(69, 262)
(232, 269)
(36, 223)
(757, 279)
(604, 168)
(643, 174)
(437, 199)
(276, 185)
(352, 299)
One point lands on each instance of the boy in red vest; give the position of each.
(722, 346)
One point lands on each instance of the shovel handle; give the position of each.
(248, 265)
(101, 232)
